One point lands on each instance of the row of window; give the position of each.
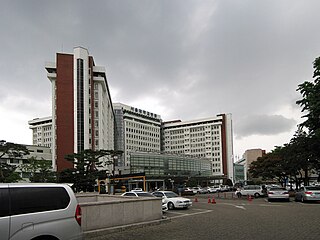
(139, 143)
(142, 132)
(140, 126)
(192, 135)
(153, 147)
(141, 137)
(172, 164)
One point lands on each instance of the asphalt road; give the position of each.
(232, 219)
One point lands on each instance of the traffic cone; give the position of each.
(209, 200)
(213, 201)
(196, 199)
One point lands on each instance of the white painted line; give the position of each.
(190, 214)
(235, 205)
(241, 207)
(270, 205)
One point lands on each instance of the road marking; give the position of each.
(241, 207)
(235, 205)
(190, 214)
(270, 205)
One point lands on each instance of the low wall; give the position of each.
(101, 212)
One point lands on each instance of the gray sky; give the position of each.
(181, 59)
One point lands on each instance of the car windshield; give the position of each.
(278, 189)
(313, 188)
(144, 194)
(171, 194)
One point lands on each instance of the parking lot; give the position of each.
(233, 219)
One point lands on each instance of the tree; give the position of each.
(270, 166)
(10, 151)
(86, 164)
(310, 104)
(40, 170)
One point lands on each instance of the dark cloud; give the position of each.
(263, 125)
(195, 58)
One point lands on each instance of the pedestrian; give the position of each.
(238, 192)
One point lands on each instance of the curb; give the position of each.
(91, 235)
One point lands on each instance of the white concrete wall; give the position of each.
(100, 212)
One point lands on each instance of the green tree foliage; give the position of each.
(85, 171)
(310, 102)
(10, 151)
(269, 167)
(296, 159)
(40, 170)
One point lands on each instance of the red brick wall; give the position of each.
(64, 110)
(91, 64)
(224, 145)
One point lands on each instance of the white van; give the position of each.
(252, 190)
(38, 212)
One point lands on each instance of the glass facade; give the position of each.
(80, 105)
(163, 165)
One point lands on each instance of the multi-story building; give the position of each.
(35, 151)
(82, 113)
(41, 131)
(136, 130)
(239, 175)
(248, 157)
(210, 138)
(168, 170)
(83, 117)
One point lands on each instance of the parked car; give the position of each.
(197, 190)
(188, 191)
(144, 194)
(308, 193)
(39, 211)
(251, 190)
(278, 193)
(137, 194)
(208, 190)
(224, 188)
(173, 200)
(212, 190)
(216, 188)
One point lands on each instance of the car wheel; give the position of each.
(170, 205)
(256, 195)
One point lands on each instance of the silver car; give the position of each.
(308, 193)
(39, 211)
(278, 193)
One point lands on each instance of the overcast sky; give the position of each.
(181, 59)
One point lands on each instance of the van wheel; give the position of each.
(170, 206)
(45, 238)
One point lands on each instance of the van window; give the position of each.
(4, 202)
(38, 199)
